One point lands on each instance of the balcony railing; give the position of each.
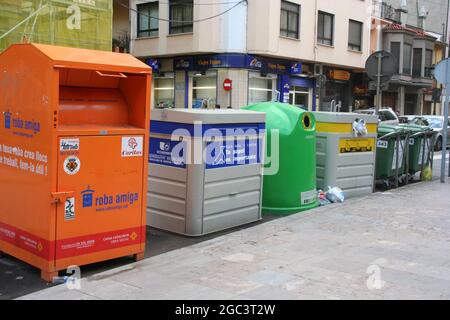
(382, 10)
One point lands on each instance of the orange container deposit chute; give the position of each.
(73, 159)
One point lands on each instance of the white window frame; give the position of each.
(167, 75)
(308, 91)
(192, 75)
(257, 75)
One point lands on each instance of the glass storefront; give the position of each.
(196, 81)
(164, 93)
(204, 89)
(334, 95)
(362, 102)
(261, 88)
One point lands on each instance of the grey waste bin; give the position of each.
(344, 158)
(205, 169)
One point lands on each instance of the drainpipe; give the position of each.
(379, 36)
(315, 31)
(315, 57)
(446, 30)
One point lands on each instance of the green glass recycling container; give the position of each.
(290, 168)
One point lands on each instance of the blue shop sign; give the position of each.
(253, 63)
(219, 61)
(238, 61)
(271, 65)
(155, 64)
(296, 68)
(183, 63)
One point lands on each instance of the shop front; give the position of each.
(198, 82)
(261, 87)
(362, 96)
(337, 92)
(163, 88)
(299, 91)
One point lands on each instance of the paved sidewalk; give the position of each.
(333, 252)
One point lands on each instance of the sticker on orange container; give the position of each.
(69, 209)
(72, 165)
(69, 145)
(132, 146)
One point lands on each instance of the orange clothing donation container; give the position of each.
(73, 159)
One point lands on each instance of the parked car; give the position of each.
(407, 118)
(385, 115)
(436, 123)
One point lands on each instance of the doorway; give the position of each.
(410, 104)
(300, 97)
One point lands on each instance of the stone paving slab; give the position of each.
(401, 238)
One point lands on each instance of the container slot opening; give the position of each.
(306, 121)
(101, 98)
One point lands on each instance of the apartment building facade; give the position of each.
(415, 32)
(309, 53)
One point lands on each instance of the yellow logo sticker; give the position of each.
(356, 145)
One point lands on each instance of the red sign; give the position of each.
(227, 84)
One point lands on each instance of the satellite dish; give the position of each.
(388, 66)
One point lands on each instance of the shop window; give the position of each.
(164, 92)
(355, 35)
(204, 90)
(407, 52)
(181, 13)
(325, 28)
(290, 20)
(417, 62)
(261, 89)
(395, 50)
(147, 19)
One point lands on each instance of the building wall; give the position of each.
(413, 92)
(437, 13)
(226, 33)
(121, 21)
(239, 94)
(180, 89)
(256, 29)
(264, 37)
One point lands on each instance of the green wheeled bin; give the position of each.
(290, 168)
(419, 146)
(388, 166)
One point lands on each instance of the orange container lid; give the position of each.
(66, 57)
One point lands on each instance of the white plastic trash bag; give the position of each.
(335, 195)
(359, 128)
